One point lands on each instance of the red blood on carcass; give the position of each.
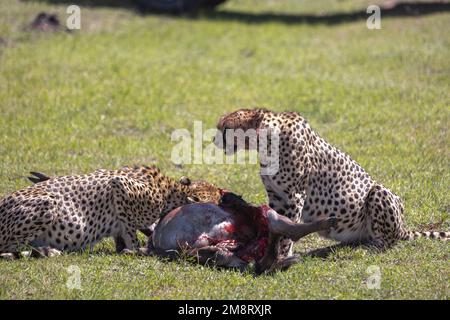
(253, 251)
(230, 228)
(253, 248)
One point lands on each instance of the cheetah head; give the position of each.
(239, 130)
(202, 191)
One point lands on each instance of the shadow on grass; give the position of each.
(396, 10)
(326, 252)
(92, 3)
(391, 9)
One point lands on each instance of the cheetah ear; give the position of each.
(185, 181)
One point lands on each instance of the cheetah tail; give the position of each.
(411, 235)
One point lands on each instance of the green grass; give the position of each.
(112, 93)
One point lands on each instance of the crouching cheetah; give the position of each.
(315, 180)
(74, 212)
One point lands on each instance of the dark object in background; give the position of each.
(176, 6)
(45, 22)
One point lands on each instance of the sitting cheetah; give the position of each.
(74, 212)
(315, 180)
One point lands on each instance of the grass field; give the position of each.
(111, 94)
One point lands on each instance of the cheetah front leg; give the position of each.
(127, 241)
(120, 243)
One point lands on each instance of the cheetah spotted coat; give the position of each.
(75, 212)
(315, 180)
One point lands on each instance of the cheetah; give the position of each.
(71, 213)
(315, 180)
